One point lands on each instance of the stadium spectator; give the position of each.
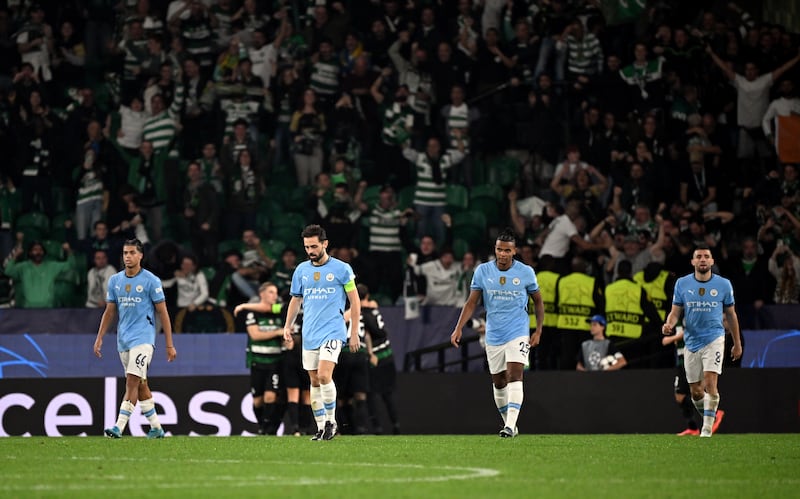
(599, 353)
(97, 280)
(192, 284)
(784, 265)
(442, 277)
(36, 276)
(429, 195)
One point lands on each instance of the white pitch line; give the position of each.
(462, 473)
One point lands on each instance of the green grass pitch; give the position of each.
(536, 466)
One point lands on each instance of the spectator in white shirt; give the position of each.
(752, 100)
(97, 280)
(131, 124)
(192, 285)
(442, 276)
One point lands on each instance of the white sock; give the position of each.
(515, 396)
(501, 401)
(710, 402)
(149, 411)
(317, 407)
(125, 411)
(329, 400)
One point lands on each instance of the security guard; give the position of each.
(546, 353)
(626, 308)
(579, 295)
(658, 284)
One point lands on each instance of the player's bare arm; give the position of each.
(466, 314)
(109, 316)
(355, 315)
(672, 319)
(538, 309)
(291, 315)
(163, 315)
(733, 325)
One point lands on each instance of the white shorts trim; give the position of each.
(516, 350)
(329, 350)
(136, 360)
(707, 359)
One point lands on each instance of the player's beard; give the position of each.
(704, 272)
(318, 258)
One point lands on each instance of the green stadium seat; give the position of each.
(503, 171)
(298, 197)
(478, 171)
(491, 191)
(471, 227)
(273, 248)
(460, 247)
(58, 232)
(229, 244)
(488, 199)
(457, 199)
(290, 220)
(35, 225)
(405, 198)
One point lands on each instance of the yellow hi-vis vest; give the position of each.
(575, 301)
(656, 294)
(547, 287)
(624, 314)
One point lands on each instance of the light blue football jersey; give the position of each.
(703, 305)
(505, 297)
(135, 298)
(322, 290)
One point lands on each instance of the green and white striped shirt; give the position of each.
(325, 77)
(458, 117)
(161, 129)
(384, 230)
(428, 192)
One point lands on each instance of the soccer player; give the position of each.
(703, 297)
(136, 295)
(264, 322)
(321, 284)
(505, 285)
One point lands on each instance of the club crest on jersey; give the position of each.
(127, 288)
(515, 281)
(329, 277)
(139, 288)
(316, 276)
(702, 291)
(713, 292)
(503, 281)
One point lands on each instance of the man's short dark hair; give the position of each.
(315, 230)
(135, 242)
(508, 236)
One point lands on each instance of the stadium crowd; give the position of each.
(413, 131)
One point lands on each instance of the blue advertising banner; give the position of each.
(772, 348)
(71, 356)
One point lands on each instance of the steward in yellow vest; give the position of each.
(658, 284)
(626, 309)
(546, 353)
(579, 295)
